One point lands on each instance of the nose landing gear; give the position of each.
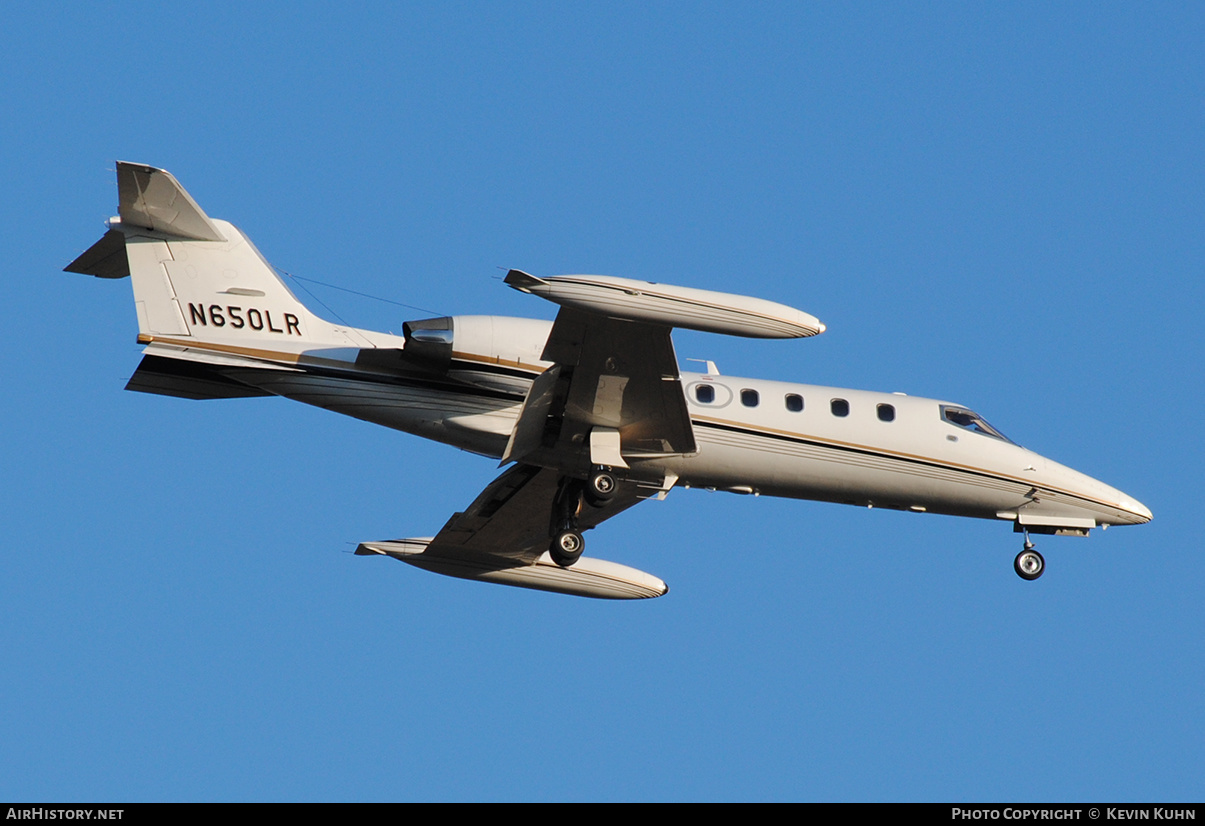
(1029, 564)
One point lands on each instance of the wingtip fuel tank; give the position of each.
(666, 304)
(588, 577)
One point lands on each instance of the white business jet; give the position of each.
(590, 411)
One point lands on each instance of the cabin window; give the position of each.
(794, 402)
(840, 407)
(970, 420)
(749, 398)
(705, 393)
(886, 413)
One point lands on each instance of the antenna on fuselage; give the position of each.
(712, 370)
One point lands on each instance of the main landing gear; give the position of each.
(567, 547)
(567, 542)
(601, 486)
(597, 490)
(1029, 564)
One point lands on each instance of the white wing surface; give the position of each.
(503, 537)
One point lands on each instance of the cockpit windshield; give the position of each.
(970, 420)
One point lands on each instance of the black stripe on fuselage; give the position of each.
(494, 368)
(417, 381)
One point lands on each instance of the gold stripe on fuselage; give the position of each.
(836, 444)
(301, 359)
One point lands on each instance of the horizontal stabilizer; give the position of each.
(187, 380)
(104, 259)
(152, 198)
(588, 577)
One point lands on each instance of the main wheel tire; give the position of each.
(601, 487)
(1029, 564)
(566, 548)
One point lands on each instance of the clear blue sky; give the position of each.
(997, 204)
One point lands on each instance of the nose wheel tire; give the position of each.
(1029, 564)
(566, 548)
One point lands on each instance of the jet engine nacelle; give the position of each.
(493, 351)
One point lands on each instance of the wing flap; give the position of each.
(528, 433)
(611, 375)
(625, 377)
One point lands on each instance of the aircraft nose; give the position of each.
(1140, 511)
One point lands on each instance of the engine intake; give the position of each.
(429, 342)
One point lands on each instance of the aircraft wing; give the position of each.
(613, 390)
(612, 395)
(503, 537)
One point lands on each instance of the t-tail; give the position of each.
(204, 295)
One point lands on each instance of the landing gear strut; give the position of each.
(1029, 564)
(572, 494)
(567, 542)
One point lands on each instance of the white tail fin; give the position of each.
(197, 279)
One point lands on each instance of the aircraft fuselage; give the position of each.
(770, 438)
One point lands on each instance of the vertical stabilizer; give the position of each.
(197, 279)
